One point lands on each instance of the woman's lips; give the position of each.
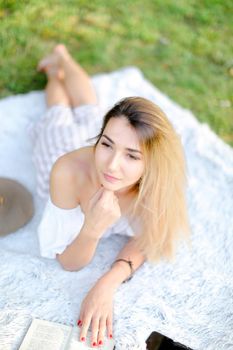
(110, 178)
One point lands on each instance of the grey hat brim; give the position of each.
(16, 206)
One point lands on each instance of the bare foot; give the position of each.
(61, 50)
(52, 64)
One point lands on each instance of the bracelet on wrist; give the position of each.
(130, 263)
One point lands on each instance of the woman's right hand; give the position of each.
(102, 211)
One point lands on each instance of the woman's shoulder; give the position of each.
(74, 161)
(68, 175)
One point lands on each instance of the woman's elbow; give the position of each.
(69, 265)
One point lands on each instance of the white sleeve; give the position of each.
(58, 228)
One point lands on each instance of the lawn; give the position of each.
(183, 47)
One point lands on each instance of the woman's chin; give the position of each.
(121, 190)
(111, 186)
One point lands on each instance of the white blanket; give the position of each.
(189, 301)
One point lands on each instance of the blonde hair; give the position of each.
(160, 201)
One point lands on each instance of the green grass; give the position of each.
(183, 47)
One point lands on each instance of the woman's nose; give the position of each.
(113, 163)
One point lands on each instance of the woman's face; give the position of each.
(118, 156)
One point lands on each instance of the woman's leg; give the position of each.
(73, 77)
(55, 92)
(60, 130)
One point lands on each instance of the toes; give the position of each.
(45, 63)
(49, 65)
(54, 61)
(61, 51)
(42, 64)
(60, 47)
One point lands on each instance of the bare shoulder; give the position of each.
(67, 178)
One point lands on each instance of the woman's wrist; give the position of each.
(90, 233)
(118, 273)
(130, 265)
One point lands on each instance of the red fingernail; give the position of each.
(100, 342)
(110, 336)
(94, 344)
(83, 339)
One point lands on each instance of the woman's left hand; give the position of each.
(97, 310)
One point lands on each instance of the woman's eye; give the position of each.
(105, 144)
(133, 157)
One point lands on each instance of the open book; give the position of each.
(45, 335)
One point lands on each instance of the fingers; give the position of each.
(101, 333)
(85, 322)
(98, 329)
(109, 326)
(104, 196)
(97, 195)
(108, 197)
(95, 331)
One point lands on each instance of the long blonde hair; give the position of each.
(160, 201)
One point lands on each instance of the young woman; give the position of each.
(130, 181)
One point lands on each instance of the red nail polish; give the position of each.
(100, 342)
(110, 335)
(83, 339)
(94, 344)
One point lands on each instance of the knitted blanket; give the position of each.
(190, 300)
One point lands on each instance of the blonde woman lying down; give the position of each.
(131, 181)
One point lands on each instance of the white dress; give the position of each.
(59, 227)
(59, 131)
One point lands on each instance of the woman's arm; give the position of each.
(101, 212)
(97, 307)
(80, 252)
(121, 270)
(64, 190)
(64, 185)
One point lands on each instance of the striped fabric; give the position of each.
(61, 130)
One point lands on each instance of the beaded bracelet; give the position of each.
(130, 265)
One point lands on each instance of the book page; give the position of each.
(45, 335)
(75, 344)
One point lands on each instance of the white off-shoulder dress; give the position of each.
(61, 130)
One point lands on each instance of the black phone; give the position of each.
(158, 341)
